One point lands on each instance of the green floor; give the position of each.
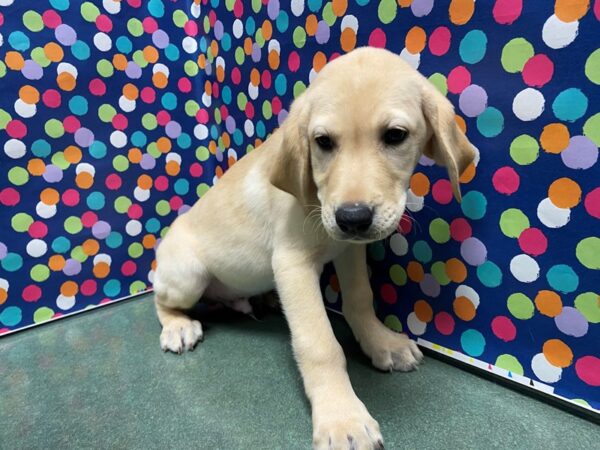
(99, 380)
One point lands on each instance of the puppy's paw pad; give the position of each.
(180, 335)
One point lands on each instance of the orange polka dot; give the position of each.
(49, 196)
(56, 263)
(404, 3)
(564, 193)
(14, 60)
(461, 123)
(3, 295)
(160, 80)
(153, 264)
(202, 61)
(119, 61)
(84, 180)
(218, 171)
(311, 25)
(66, 81)
(130, 91)
(348, 39)
(267, 30)
(548, 303)
(319, 61)
(468, 174)
(163, 144)
(212, 147)
(464, 308)
(172, 168)
(220, 73)
(73, 154)
(54, 52)
(91, 247)
(456, 270)
(150, 54)
(101, 270)
(255, 77)
(571, 10)
(69, 289)
(554, 138)
(214, 48)
(231, 161)
(461, 11)
(36, 167)
(273, 59)
(248, 46)
(419, 184)
(226, 139)
(134, 155)
(558, 353)
(415, 40)
(257, 143)
(208, 88)
(339, 7)
(148, 241)
(423, 311)
(29, 94)
(145, 181)
(415, 271)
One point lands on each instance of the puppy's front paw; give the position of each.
(393, 351)
(180, 334)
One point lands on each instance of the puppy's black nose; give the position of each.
(354, 217)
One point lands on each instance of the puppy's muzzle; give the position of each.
(354, 218)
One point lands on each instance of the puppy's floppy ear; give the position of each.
(291, 169)
(448, 146)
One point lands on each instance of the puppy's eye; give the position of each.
(394, 136)
(325, 143)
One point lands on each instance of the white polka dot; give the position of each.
(66, 67)
(249, 128)
(349, 22)
(238, 28)
(1, 40)
(141, 195)
(125, 104)
(36, 248)
(297, 7)
(414, 202)
(545, 371)
(103, 42)
(133, 227)
(524, 268)
(25, 110)
(413, 60)
(151, 277)
(231, 153)
(45, 211)
(14, 148)
(112, 6)
(312, 75)
(528, 104)
(415, 326)
(161, 68)
(173, 156)
(4, 284)
(399, 244)
(330, 295)
(102, 257)
(195, 10)
(85, 167)
(252, 91)
(64, 302)
(466, 291)
(6, 2)
(558, 34)
(118, 139)
(201, 131)
(551, 215)
(274, 45)
(189, 44)
(206, 100)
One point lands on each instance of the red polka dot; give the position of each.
(538, 70)
(444, 323)
(238, 9)
(442, 192)
(506, 12)
(97, 87)
(113, 182)
(163, 118)
(388, 294)
(202, 116)
(597, 9)
(120, 122)
(216, 87)
(249, 110)
(236, 75)
(265, 79)
(51, 98)
(504, 329)
(88, 219)
(191, 28)
(294, 61)
(212, 17)
(405, 225)
(70, 197)
(135, 211)
(184, 85)
(148, 95)
(175, 202)
(38, 230)
(9, 197)
(224, 112)
(592, 203)
(161, 183)
(71, 124)
(149, 25)
(88, 288)
(588, 367)
(134, 3)
(458, 79)
(533, 242)
(506, 180)
(196, 170)
(460, 229)
(51, 19)
(439, 41)
(103, 23)
(377, 38)
(128, 268)
(31, 293)
(16, 129)
(276, 105)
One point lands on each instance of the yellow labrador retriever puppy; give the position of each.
(333, 178)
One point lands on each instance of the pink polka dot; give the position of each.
(460, 229)
(439, 41)
(506, 12)
(163, 118)
(444, 323)
(134, 3)
(70, 197)
(249, 110)
(597, 9)
(16, 129)
(504, 329)
(38, 230)
(1, 23)
(135, 211)
(88, 219)
(588, 367)
(202, 116)
(388, 294)
(506, 180)
(120, 122)
(442, 191)
(196, 170)
(51, 98)
(149, 25)
(31, 293)
(538, 70)
(224, 112)
(51, 19)
(113, 182)
(265, 79)
(191, 28)
(184, 85)
(276, 105)
(405, 225)
(128, 268)
(215, 89)
(97, 87)
(161, 183)
(377, 38)
(148, 95)
(238, 9)
(103, 23)
(294, 61)
(458, 79)
(88, 288)
(236, 75)
(212, 17)
(592, 203)
(533, 242)
(175, 202)
(71, 124)
(9, 197)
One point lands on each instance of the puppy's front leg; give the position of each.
(340, 419)
(388, 350)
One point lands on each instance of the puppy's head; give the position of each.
(353, 139)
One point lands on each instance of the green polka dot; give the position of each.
(139, 59)
(54, 128)
(137, 286)
(592, 67)
(153, 150)
(191, 107)
(229, 4)
(78, 254)
(135, 27)
(163, 232)
(179, 18)
(4, 118)
(240, 56)
(259, 38)
(206, 25)
(163, 208)
(202, 189)
(33, 21)
(39, 56)
(591, 128)
(439, 231)
(328, 15)
(120, 163)
(39, 273)
(149, 121)
(42, 314)
(513, 222)
(387, 10)
(89, 12)
(241, 101)
(438, 270)
(510, 363)
(122, 204)
(515, 54)
(73, 225)
(299, 88)
(588, 252)
(588, 304)
(581, 402)
(3, 69)
(299, 37)
(18, 176)
(191, 68)
(393, 323)
(21, 222)
(398, 275)
(135, 250)
(105, 68)
(440, 82)
(266, 109)
(58, 159)
(106, 112)
(524, 150)
(520, 306)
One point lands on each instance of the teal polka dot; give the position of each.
(226, 42)
(98, 149)
(422, 251)
(238, 137)
(472, 342)
(61, 5)
(12, 262)
(172, 52)
(250, 25)
(489, 274)
(562, 278)
(490, 122)
(474, 205)
(19, 41)
(314, 5)
(377, 251)
(139, 139)
(473, 46)
(11, 316)
(152, 225)
(41, 148)
(184, 140)
(226, 95)
(169, 101)
(282, 22)
(182, 186)
(112, 288)
(261, 130)
(80, 50)
(280, 84)
(124, 44)
(96, 201)
(78, 105)
(156, 8)
(570, 105)
(61, 244)
(114, 239)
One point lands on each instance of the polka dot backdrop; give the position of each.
(117, 115)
